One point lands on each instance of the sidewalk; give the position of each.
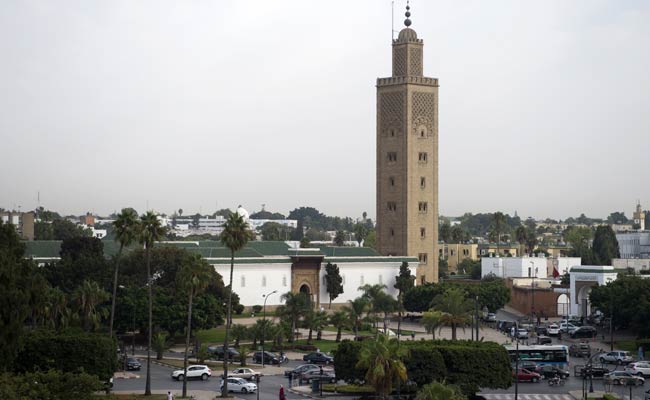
(197, 394)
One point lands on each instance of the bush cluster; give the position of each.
(94, 354)
(51, 385)
(469, 365)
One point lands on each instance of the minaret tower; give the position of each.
(407, 158)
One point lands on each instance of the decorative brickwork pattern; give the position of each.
(415, 62)
(392, 111)
(422, 105)
(399, 61)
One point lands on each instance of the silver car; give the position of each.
(616, 357)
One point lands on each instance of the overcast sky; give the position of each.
(544, 105)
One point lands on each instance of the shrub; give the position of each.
(68, 352)
(345, 360)
(257, 309)
(425, 364)
(51, 385)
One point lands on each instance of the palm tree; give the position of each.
(498, 225)
(315, 321)
(383, 360)
(372, 294)
(439, 391)
(385, 304)
(235, 235)
(340, 321)
(239, 332)
(432, 320)
(125, 228)
(295, 306)
(194, 277)
(149, 231)
(87, 297)
(160, 344)
(57, 306)
(522, 236)
(456, 309)
(355, 312)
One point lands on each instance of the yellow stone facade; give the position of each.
(407, 159)
(455, 253)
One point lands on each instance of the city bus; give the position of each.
(541, 355)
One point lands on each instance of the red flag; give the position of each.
(556, 273)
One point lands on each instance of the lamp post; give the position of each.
(533, 314)
(266, 297)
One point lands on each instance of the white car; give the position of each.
(567, 327)
(239, 385)
(193, 371)
(640, 368)
(553, 330)
(244, 373)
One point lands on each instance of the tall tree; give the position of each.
(382, 358)
(498, 227)
(432, 320)
(355, 311)
(339, 239)
(605, 245)
(149, 231)
(456, 308)
(87, 297)
(445, 232)
(295, 306)
(125, 228)
(360, 232)
(333, 281)
(372, 294)
(314, 321)
(340, 321)
(235, 235)
(193, 277)
(403, 282)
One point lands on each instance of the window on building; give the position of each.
(392, 133)
(324, 280)
(243, 281)
(423, 182)
(453, 253)
(392, 232)
(343, 279)
(392, 206)
(422, 157)
(391, 180)
(423, 233)
(422, 280)
(422, 206)
(423, 258)
(422, 132)
(263, 280)
(381, 280)
(361, 280)
(392, 156)
(284, 280)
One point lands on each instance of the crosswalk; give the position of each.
(527, 396)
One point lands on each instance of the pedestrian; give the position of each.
(412, 335)
(282, 396)
(290, 380)
(170, 396)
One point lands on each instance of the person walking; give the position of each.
(170, 396)
(282, 396)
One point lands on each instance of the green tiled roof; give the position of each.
(42, 248)
(349, 252)
(270, 248)
(222, 252)
(377, 259)
(259, 260)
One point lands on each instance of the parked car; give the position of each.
(596, 371)
(529, 365)
(239, 385)
(244, 373)
(544, 340)
(616, 357)
(553, 330)
(193, 372)
(491, 317)
(522, 333)
(549, 371)
(541, 330)
(580, 350)
(300, 369)
(218, 353)
(314, 374)
(132, 364)
(623, 378)
(318, 357)
(525, 375)
(269, 358)
(641, 368)
(567, 327)
(584, 332)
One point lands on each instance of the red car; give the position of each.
(525, 375)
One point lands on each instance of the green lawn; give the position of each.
(626, 345)
(214, 335)
(324, 345)
(130, 397)
(330, 387)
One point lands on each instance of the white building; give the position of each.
(562, 264)
(583, 278)
(634, 244)
(638, 265)
(514, 267)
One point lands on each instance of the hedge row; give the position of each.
(67, 352)
(51, 385)
(301, 347)
(470, 365)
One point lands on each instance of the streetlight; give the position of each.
(266, 297)
(534, 269)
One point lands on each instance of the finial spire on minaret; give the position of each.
(407, 21)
